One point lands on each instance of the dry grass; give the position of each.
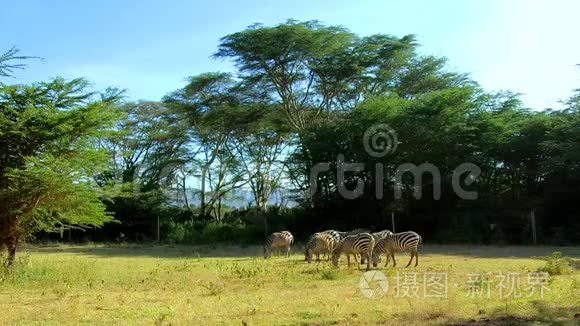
(205, 285)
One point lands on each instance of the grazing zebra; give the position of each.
(319, 243)
(361, 243)
(332, 233)
(397, 242)
(278, 240)
(378, 236)
(352, 232)
(381, 234)
(343, 235)
(332, 237)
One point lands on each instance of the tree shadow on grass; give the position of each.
(546, 315)
(479, 251)
(575, 263)
(236, 252)
(153, 251)
(250, 252)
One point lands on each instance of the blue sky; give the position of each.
(149, 47)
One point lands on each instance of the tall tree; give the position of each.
(205, 106)
(263, 144)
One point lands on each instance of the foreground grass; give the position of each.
(206, 285)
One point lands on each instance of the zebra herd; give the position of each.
(332, 244)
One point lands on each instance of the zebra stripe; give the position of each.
(332, 233)
(289, 236)
(397, 242)
(330, 237)
(343, 235)
(278, 240)
(378, 236)
(361, 243)
(352, 232)
(381, 234)
(319, 243)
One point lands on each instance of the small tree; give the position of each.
(47, 195)
(46, 161)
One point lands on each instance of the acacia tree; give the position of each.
(143, 147)
(7, 62)
(279, 59)
(314, 74)
(262, 144)
(310, 69)
(46, 161)
(204, 107)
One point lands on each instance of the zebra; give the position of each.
(378, 236)
(381, 234)
(361, 243)
(352, 232)
(321, 243)
(278, 240)
(343, 235)
(397, 242)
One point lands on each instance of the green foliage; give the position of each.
(329, 274)
(50, 193)
(7, 65)
(46, 161)
(556, 264)
(189, 232)
(311, 69)
(302, 93)
(18, 272)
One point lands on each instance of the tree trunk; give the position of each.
(158, 233)
(11, 255)
(219, 209)
(202, 195)
(185, 194)
(533, 221)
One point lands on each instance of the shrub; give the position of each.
(213, 288)
(18, 271)
(329, 274)
(556, 264)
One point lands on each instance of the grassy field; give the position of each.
(213, 285)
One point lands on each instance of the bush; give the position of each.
(556, 264)
(192, 233)
(18, 271)
(329, 274)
